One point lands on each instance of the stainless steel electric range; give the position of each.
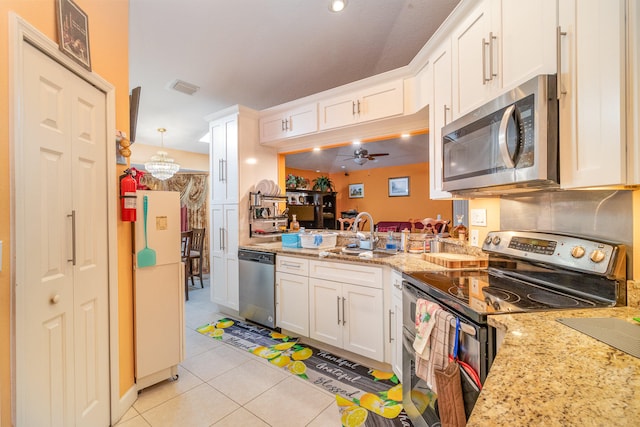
(528, 271)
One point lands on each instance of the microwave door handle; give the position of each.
(502, 137)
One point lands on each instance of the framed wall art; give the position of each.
(399, 187)
(356, 191)
(73, 32)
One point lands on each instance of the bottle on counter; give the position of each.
(391, 244)
(460, 230)
(294, 225)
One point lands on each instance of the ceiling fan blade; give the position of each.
(378, 154)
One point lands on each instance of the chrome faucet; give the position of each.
(372, 237)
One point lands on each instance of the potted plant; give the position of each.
(292, 181)
(323, 183)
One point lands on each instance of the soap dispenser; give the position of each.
(391, 242)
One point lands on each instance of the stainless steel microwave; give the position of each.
(508, 145)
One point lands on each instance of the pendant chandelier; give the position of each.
(161, 166)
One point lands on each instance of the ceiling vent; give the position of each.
(184, 87)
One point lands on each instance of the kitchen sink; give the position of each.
(355, 252)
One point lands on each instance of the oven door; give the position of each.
(418, 399)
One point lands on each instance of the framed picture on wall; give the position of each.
(399, 187)
(356, 191)
(73, 32)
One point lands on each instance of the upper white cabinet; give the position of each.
(224, 159)
(295, 122)
(499, 45)
(440, 115)
(372, 103)
(592, 93)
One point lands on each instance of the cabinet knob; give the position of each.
(55, 299)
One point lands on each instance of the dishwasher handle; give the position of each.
(257, 256)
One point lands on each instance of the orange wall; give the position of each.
(376, 198)
(109, 40)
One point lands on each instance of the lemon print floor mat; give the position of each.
(364, 396)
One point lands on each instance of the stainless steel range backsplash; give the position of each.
(607, 214)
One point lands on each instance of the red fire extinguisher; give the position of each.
(128, 197)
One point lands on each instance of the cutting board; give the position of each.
(450, 260)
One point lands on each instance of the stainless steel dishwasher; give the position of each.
(257, 286)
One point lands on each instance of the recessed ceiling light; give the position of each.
(356, 142)
(343, 167)
(316, 149)
(337, 5)
(405, 135)
(251, 161)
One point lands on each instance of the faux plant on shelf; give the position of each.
(296, 182)
(323, 183)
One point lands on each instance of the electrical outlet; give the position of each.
(474, 238)
(479, 217)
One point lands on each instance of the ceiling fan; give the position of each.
(361, 156)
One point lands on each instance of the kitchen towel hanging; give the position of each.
(439, 349)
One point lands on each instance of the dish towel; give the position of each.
(440, 346)
(425, 321)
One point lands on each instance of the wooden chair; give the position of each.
(197, 248)
(348, 221)
(186, 239)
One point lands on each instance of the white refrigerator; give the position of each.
(158, 288)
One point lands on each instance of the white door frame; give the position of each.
(21, 32)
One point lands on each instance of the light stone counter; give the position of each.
(401, 262)
(547, 374)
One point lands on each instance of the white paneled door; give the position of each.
(62, 340)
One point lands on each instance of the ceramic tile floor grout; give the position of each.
(222, 386)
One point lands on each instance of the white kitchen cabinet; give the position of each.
(373, 103)
(395, 323)
(292, 294)
(592, 93)
(234, 141)
(347, 316)
(224, 159)
(295, 122)
(224, 255)
(474, 59)
(499, 45)
(346, 307)
(439, 115)
(633, 91)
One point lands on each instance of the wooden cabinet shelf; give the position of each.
(313, 209)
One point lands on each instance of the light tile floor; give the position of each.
(222, 386)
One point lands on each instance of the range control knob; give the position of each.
(597, 256)
(577, 252)
(487, 241)
(496, 240)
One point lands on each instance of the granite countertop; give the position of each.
(548, 374)
(401, 261)
(545, 373)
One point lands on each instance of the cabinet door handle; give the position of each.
(353, 108)
(282, 127)
(344, 315)
(484, 61)
(559, 35)
(72, 215)
(221, 237)
(338, 309)
(287, 264)
(358, 106)
(390, 326)
(445, 109)
(220, 179)
(491, 39)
